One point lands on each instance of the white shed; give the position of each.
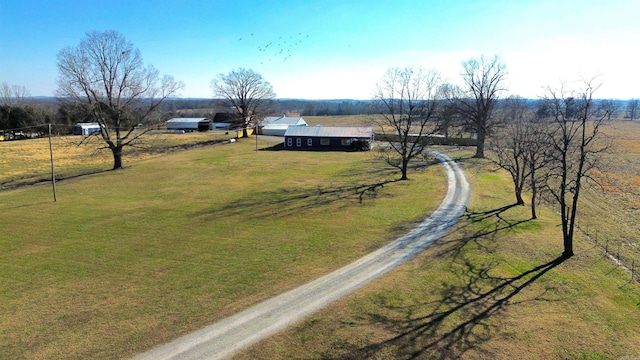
(86, 129)
(189, 124)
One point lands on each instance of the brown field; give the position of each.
(611, 213)
(26, 162)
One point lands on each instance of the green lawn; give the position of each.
(126, 260)
(491, 289)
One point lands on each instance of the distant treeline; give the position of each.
(43, 110)
(207, 107)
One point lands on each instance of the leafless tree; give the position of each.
(13, 94)
(536, 145)
(448, 116)
(509, 144)
(610, 106)
(484, 81)
(246, 92)
(405, 101)
(106, 76)
(632, 109)
(575, 149)
(519, 146)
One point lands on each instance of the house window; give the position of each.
(324, 142)
(289, 142)
(309, 142)
(298, 142)
(345, 142)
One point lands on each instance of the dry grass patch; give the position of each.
(29, 161)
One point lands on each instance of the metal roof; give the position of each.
(187, 120)
(331, 131)
(283, 120)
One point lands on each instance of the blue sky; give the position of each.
(326, 49)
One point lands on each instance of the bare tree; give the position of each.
(536, 146)
(448, 115)
(405, 102)
(244, 91)
(574, 152)
(519, 146)
(14, 94)
(484, 80)
(632, 108)
(610, 106)
(106, 76)
(509, 144)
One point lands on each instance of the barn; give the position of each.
(328, 137)
(86, 129)
(189, 124)
(278, 125)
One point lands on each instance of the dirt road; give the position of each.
(232, 334)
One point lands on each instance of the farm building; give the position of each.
(86, 129)
(220, 126)
(328, 137)
(234, 120)
(278, 125)
(189, 124)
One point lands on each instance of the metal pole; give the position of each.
(53, 175)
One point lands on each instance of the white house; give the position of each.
(278, 125)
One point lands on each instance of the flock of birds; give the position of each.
(280, 49)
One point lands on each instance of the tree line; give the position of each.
(552, 146)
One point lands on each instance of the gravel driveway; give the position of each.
(239, 331)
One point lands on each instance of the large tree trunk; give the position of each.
(567, 232)
(405, 164)
(534, 194)
(117, 157)
(519, 199)
(480, 143)
(568, 247)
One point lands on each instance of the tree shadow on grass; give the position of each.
(479, 228)
(284, 202)
(462, 317)
(460, 321)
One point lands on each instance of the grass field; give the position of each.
(125, 260)
(491, 289)
(29, 161)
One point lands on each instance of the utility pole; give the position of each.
(53, 175)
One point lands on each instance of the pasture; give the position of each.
(492, 288)
(126, 260)
(27, 162)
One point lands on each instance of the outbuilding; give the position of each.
(189, 124)
(278, 125)
(86, 129)
(328, 138)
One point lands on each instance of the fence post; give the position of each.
(606, 247)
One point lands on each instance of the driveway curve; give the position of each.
(262, 320)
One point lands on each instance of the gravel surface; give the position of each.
(239, 331)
